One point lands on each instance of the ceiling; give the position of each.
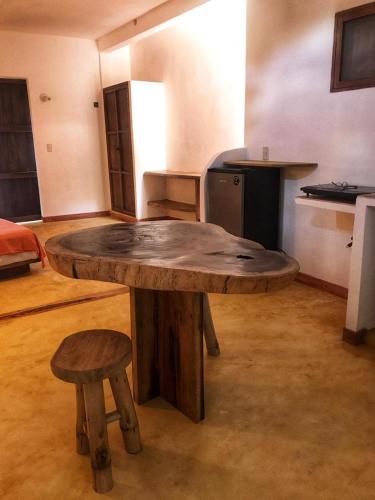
(78, 18)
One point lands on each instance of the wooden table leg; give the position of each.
(144, 319)
(167, 334)
(212, 344)
(197, 200)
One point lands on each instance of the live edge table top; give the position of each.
(169, 267)
(171, 255)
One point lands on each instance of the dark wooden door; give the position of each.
(119, 147)
(19, 192)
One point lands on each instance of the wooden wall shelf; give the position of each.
(175, 174)
(268, 163)
(174, 204)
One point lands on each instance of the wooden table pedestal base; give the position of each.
(167, 336)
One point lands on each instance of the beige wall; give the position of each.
(201, 60)
(71, 177)
(290, 109)
(151, 21)
(114, 69)
(115, 66)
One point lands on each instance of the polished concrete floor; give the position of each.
(43, 285)
(290, 409)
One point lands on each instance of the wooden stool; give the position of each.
(86, 359)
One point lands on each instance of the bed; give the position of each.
(19, 247)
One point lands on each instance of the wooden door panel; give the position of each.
(17, 153)
(123, 108)
(110, 111)
(114, 158)
(19, 192)
(128, 188)
(19, 199)
(120, 148)
(116, 192)
(14, 104)
(126, 151)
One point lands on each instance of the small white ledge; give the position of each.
(336, 206)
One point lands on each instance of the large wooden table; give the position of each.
(169, 267)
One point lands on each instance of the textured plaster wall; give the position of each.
(289, 108)
(201, 60)
(115, 66)
(67, 69)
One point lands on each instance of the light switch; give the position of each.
(49, 148)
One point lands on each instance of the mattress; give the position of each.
(6, 260)
(18, 244)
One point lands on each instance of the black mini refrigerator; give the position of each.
(245, 202)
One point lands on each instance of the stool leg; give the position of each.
(128, 417)
(213, 348)
(81, 427)
(98, 436)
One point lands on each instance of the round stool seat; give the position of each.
(91, 356)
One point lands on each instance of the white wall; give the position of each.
(148, 134)
(201, 60)
(115, 66)
(151, 21)
(289, 108)
(71, 177)
(114, 69)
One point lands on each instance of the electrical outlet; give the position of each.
(266, 153)
(49, 148)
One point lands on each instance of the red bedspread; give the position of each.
(18, 239)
